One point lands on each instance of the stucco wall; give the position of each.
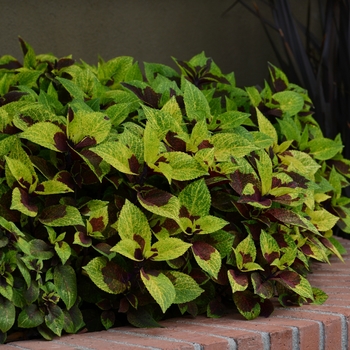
(148, 30)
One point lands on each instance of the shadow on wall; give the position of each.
(150, 31)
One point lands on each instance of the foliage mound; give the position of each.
(129, 196)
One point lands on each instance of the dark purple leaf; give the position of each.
(60, 140)
(153, 196)
(285, 216)
(86, 142)
(239, 278)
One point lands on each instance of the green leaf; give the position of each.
(30, 317)
(88, 128)
(254, 95)
(107, 275)
(8, 314)
(228, 120)
(60, 215)
(264, 165)
(198, 135)
(22, 171)
(186, 287)
(209, 224)
(133, 221)
(291, 103)
(320, 296)
(297, 283)
(266, 127)
(47, 135)
(116, 154)
(207, 257)
(167, 249)
(245, 253)
(72, 88)
(179, 166)
(73, 320)
(322, 219)
(289, 129)
(233, 144)
(196, 104)
(39, 249)
(196, 198)
(52, 187)
(54, 319)
(129, 248)
(323, 148)
(21, 201)
(159, 202)
(238, 281)
(300, 162)
(160, 288)
(247, 304)
(269, 247)
(66, 283)
(63, 251)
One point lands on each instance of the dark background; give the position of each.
(148, 30)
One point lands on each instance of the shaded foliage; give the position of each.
(126, 199)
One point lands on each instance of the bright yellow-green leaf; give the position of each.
(47, 135)
(167, 249)
(196, 198)
(132, 221)
(266, 127)
(264, 166)
(186, 287)
(116, 154)
(197, 106)
(94, 126)
(160, 287)
(290, 102)
(322, 219)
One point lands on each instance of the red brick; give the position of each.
(332, 324)
(280, 338)
(304, 329)
(40, 345)
(107, 340)
(205, 340)
(243, 339)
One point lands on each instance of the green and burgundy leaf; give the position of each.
(238, 281)
(247, 304)
(107, 275)
(23, 202)
(47, 135)
(207, 257)
(262, 287)
(297, 283)
(60, 215)
(159, 202)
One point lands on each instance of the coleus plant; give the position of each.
(127, 196)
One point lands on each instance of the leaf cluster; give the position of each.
(130, 195)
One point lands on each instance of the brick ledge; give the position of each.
(309, 327)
